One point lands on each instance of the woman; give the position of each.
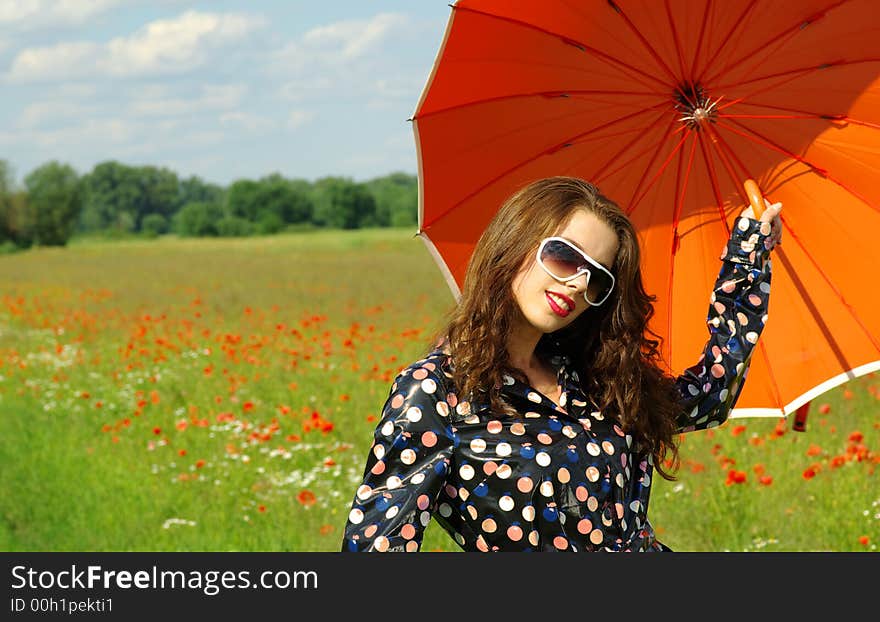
(538, 419)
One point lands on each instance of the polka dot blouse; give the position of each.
(553, 478)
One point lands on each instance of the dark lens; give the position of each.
(600, 285)
(561, 259)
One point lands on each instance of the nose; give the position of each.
(578, 285)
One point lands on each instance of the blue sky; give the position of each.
(223, 89)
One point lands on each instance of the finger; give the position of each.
(771, 214)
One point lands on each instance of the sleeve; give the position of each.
(406, 467)
(737, 313)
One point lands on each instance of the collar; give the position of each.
(574, 403)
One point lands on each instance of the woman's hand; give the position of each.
(770, 216)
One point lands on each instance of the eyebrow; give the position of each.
(584, 252)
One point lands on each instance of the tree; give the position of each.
(343, 204)
(243, 200)
(154, 224)
(112, 194)
(159, 192)
(289, 201)
(197, 220)
(195, 190)
(14, 223)
(397, 199)
(54, 201)
(233, 226)
(301, 200)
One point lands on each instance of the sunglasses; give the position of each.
(564, 262)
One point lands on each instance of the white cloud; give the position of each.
(106, 130)
(155, 101)
(351, 39)
(76, 91)
(35, 13)
(339, 42)
(298, 118)
(169, 46)
(247, 121)
(38, 113)
(297, 90)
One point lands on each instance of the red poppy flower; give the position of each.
(307, 498)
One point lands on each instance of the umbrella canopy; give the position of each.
(668, 106)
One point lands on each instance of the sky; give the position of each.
(224, 90)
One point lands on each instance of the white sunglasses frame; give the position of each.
(580, 272)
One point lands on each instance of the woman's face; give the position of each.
(548, 305)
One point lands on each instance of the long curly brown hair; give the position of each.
(611, 347)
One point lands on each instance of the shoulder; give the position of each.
(420, 398)
(430, 375)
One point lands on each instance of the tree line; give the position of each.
(115, 199)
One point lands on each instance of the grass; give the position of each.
(220, 395)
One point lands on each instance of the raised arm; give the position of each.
(406, 467)
(737, 313)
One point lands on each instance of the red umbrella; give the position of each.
(668, 106)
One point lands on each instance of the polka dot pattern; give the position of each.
(560, 477)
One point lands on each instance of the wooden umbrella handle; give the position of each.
(755, 197)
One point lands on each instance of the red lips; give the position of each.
(558, 310)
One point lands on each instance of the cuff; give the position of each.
(749, 243)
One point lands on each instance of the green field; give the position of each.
(220, 395)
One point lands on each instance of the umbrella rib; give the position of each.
(766, 142)
(818, 115)
(780, 39)
(545, 94)
(547, 151)
(573, 42)
(676, 216)
(725, 40)
(668, 132)
(675, 38)
(634, 202)
(595, 177)
(794, 75)
(816, 313)
(603, 171)
(645, 43)
(777, 394)
(799, 73)
(700, 40)
(788, 35)
(716, 187)
(798, 284)
(831, 118)
(667, 343)
(723, 152)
